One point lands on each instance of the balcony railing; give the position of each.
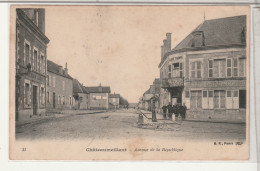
(173, 82)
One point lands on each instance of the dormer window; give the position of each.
(198, 39)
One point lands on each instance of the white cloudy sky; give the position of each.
(119, 46)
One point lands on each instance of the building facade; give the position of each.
(113, 101)
(207, 71)
(98, 97)
(59, 93)
(30, 63)
(80, 95)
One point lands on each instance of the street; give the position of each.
(123, 124)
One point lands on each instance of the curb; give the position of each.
(52, 117)
(215, 121)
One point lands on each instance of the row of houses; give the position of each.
(42, 85)
(206, 71)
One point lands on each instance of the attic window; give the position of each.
(198, 39)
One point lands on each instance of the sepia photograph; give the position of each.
(111, 82)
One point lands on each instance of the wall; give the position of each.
(100, 102)
(35, 78)
(115, 102)
(59, 91)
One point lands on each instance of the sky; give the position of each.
(120, 46)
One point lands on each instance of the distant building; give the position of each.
(30, 63)
(207, 70)
(98, 97)
(59, 93)
(153, 91)
(80, 95)
(114, 101)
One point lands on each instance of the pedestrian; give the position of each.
(164, 108)
(170, 111)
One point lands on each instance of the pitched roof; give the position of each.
(114, 95)
(217, 32)
(221, 31)
(77, 87)
(98, 89)
(55, 68)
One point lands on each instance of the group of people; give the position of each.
(176, 109)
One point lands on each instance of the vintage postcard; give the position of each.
(129, 82)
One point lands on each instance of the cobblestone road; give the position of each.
(123, 124)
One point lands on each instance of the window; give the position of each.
(219, 99)
(42, 96)
(181, 70)
(235, 93)
(169, 72)
(196, 69)
(70, 100)
(210, 93)
(35, 55)
(196, 99)
(63, 85)
(242, 67)
(48, 80)
(187, 94)
(210, 68)
(219, 66)
(235, 67)
(229, 70)
(177, 70)
(53, 81)
(42, 65)
(59, 100)
(48, 97)
(27, 53)
(27, 95)
(228, 93)
(63, 100)
(205, 94)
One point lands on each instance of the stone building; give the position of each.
(207, 70)
(59, 93)
(98, 97)
(113, 101)
(81, 96)
(30, 63)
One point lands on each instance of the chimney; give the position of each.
(60, 70)
(100, 87)
(168, 42)
(164, 47)
(162, 52)
(66, 69)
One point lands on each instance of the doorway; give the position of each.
(35, 101)
(242, 98)
(53, 100)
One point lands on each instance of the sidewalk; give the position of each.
(56, 114)
(160, 116)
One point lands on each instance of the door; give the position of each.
(53, 100)
(35, 100)
(242, 98)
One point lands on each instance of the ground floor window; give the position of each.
(27, 95)
(219, 99)
(196, 99)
